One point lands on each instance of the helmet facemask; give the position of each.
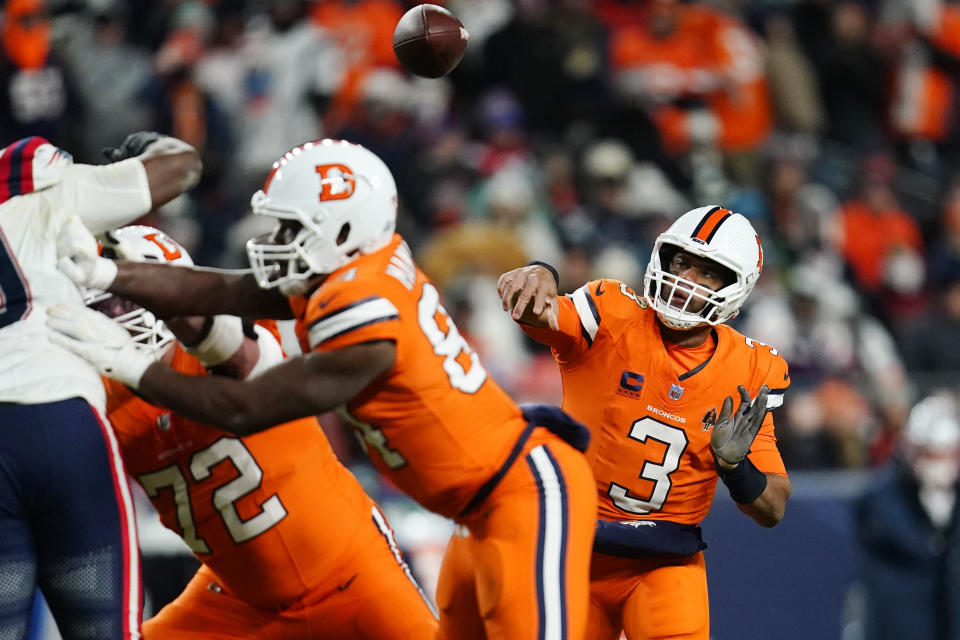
(660, 287)
(150, 335)
(297, 249)
(722, 237)
(137, 243)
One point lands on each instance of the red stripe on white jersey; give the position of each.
(26, 167)
(132, 593)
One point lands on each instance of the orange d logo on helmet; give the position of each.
(170, 252)
(337, 182)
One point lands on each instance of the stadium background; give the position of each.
(573, 132)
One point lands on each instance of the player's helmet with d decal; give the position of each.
(333, 200)
(715, 234)
(141, 244)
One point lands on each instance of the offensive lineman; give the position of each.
(378, 344)
(256, 511)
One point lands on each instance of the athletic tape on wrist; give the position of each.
(745, 482)
(548, 267)
(271, 352)
(221, 342)
(103, 274)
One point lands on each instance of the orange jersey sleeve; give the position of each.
(255, 510)
(578, 319)
(649, 422)
(436, 424)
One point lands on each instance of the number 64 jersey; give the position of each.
(435, 424)
(649, 418)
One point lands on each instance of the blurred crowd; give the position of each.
(574, 132)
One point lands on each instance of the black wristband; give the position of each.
(248, 328)
(744, 481)
(548, 267)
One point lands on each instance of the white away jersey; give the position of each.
(40, 187)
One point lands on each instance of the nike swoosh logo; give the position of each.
(343, 587)
(600, 290)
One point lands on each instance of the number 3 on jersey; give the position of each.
(658, 472)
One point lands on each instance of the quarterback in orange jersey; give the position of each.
(291, 545)
(379, 346)
(654, 376)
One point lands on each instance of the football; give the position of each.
(429, 41)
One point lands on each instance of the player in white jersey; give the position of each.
(66, 519)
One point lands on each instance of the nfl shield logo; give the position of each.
(675, 391)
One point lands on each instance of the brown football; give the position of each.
(429, 41)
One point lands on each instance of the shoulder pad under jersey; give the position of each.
(29, 165)
(604, 300)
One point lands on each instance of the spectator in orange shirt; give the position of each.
(38, 96)
(874, 228)
(364, 30)
(925, 40)
(699, 73)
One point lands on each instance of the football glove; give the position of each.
(733, 433)
(78, 256)
(100, 341)
(132, 146)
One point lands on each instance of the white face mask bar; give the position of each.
(149, 334)
(665, 286)
(274, 264)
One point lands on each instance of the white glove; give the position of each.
(99, 340)
(78, 257)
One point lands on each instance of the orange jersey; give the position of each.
(650, 432)
(255, 510)
(743, 107)
(869, 238)
(923, 103)
(708, 55)
(435, 424)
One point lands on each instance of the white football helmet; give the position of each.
(716, 234)
(140, 244)
(333, 200)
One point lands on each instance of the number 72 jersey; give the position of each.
(435, 424)
(256, 510)
(650, 423)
